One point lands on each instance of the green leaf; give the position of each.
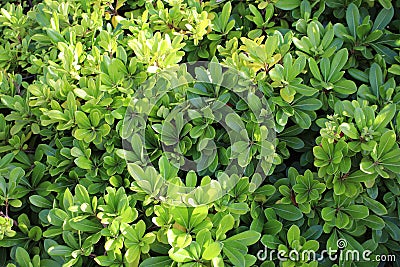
(83, 163)
(234, 252)
(238, 208)
(15, 203)
(314, 69)
(325, 68)
(198, 215)
(212, 250)
(377, 207)
(308, 104)
(181, 255)
(81, 194)
(345, 87)
(226, 11)
(85, 225)
(375, 78)
(328, 214)
(393, 230)
(394, 69)
(374, 222)
(16, 240)
(104, 260)
(246, 238)
(303, 89)
(302, 119)
(132, 254)
(159, 261)
(181, 215)
(350, 130)
(313, 34)
(338, 61)
(60, 250)
(384, 117)
(386, 143)
(82, 120)
(40, 201)
(383, 19)
(353, 19)
(22, 257)
(357, 211)
(360, 176)
(226, 224)
(35, 233)
(272, 227)
(234, 122)
(266, 190)
(313, 232)
(293, 234)
(288, 212)
(385, 3)
(391, 161)
(55, 36)
(270, 241)
(287, 4)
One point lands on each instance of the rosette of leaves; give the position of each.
(7, 85)
(180, 18)
(261, 56)
(358, 122)
(295, 100)
(305, 14)
(366, 36)
(12, 185)
(6, 225)
(302, 191)
(342, 213)
(109, 217)
(381, 90)
(136, 241)
(264, 22)
(331, 158)
(293, 248)
(285, 76)
(206, 245)
(116, 76)
(158, 51)
(89, 128)
(319, 42)
(308, 190)
(367, 133)
(383, 159)
(328, 78)
(22, 117)
(222, 27)
(15, 48)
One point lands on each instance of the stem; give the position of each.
(6, 207)
(293, 198)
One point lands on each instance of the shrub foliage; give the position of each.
(69, 70)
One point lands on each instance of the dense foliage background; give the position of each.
(69, 69)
